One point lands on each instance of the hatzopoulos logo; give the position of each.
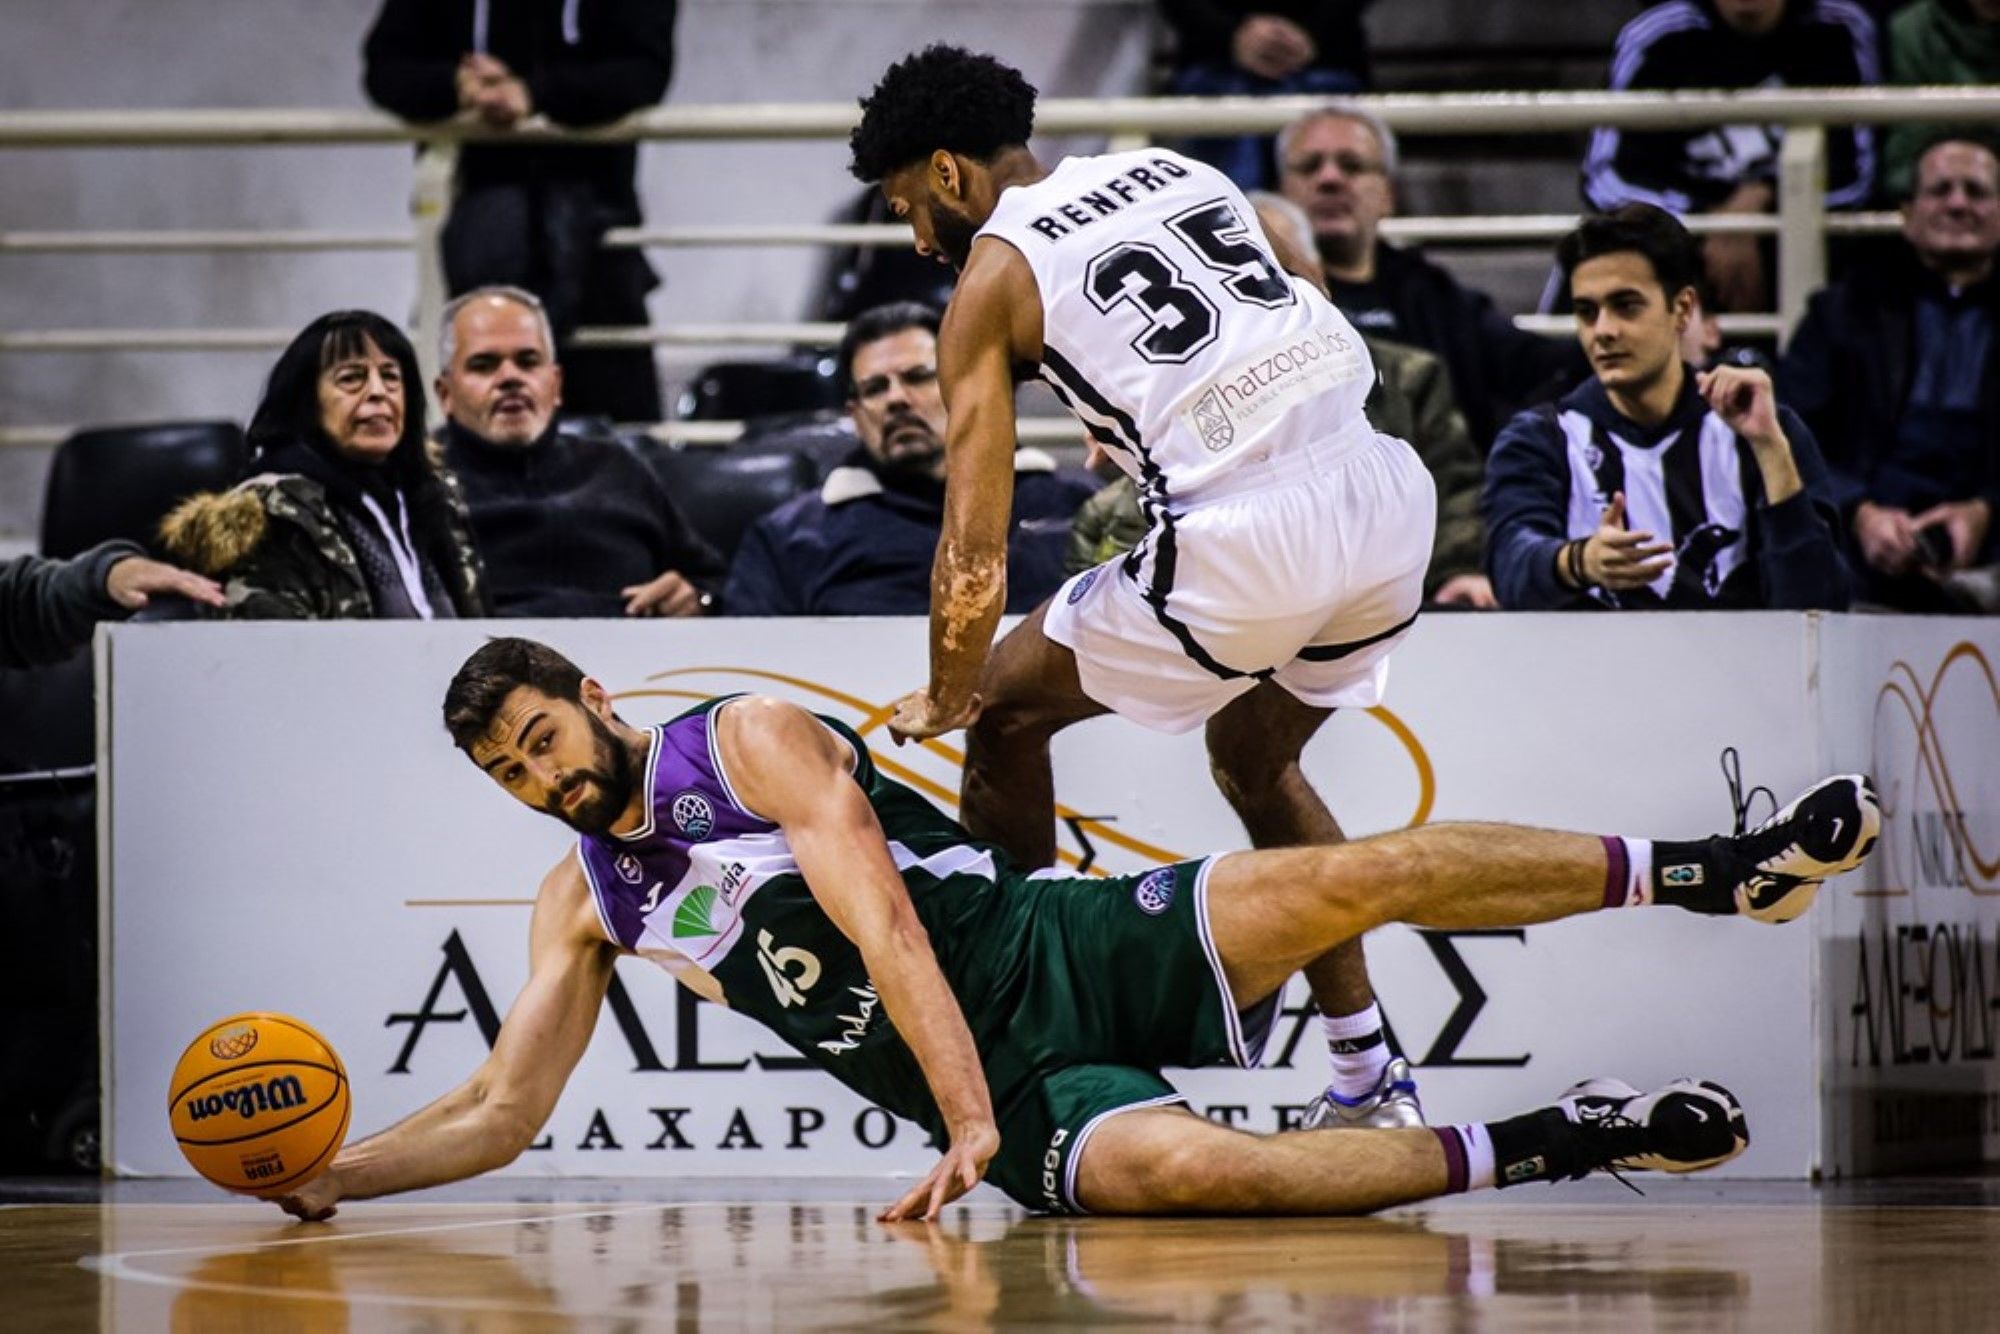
(1270, 380)
(693, 815)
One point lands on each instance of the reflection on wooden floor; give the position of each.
(1671, 1261)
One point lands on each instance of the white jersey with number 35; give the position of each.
(1172, 332)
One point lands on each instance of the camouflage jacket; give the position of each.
(1412, 400)
(277, 549)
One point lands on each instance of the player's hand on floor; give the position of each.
(961, 1168)
(916, 718)
(313, 1202)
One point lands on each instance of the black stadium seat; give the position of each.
(825, 438)
(120, 481)
(723, 490)
(737, 390)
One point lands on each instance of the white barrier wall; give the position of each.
(288, 828)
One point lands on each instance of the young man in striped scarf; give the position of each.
(1652, 485)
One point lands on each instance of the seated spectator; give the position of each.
(864, 543)
(1732, 168)
(1897, 368)
(1949, 42)
(1338, 163)
(48, 607)
(1652, 485)
(1262, 48)
(347, 515)
(568, 523)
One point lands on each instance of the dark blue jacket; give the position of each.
(863, 544)
(1532, 507)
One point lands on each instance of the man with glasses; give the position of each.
(1894, 367)
(1338, 163)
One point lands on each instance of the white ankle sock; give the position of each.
(1476, 1145)
(1358, 1050)
(1639, 872)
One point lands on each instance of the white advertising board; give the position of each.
(1912, 953)
(288, 828)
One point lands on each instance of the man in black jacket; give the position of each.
(533, 217)
(1897, 368)
(47, 607)
(1338, 163)
(569, 523)
(1653, 486)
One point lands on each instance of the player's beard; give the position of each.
(954, 232)
(610, 777)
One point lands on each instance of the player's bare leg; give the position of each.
(1170, 1161)
(1254, 745)
(1028, 693)
(1271, 913)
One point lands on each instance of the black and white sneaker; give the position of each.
(1773, 871)
(1686, 1126)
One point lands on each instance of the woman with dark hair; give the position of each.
(348, 514)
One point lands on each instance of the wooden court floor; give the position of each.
(508, 1255)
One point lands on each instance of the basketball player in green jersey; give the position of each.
(755, 851)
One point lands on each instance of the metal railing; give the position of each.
(1800, 222)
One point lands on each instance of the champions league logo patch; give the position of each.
(628, 868)
(693, 815)
(1081, 586)
(1155, 893)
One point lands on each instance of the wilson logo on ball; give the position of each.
(248, 1100)
(233, 1043)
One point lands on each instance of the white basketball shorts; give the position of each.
(1308, 576)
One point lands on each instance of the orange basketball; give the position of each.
(259, 1104)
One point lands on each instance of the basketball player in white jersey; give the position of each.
(1288, 542)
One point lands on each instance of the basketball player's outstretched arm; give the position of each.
(786, 766)
(995, 321)
(487, 1121)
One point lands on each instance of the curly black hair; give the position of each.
(941, 97)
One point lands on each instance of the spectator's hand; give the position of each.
(1272, 47)
(1888, 537)
(136, 581)
(504, 103)
(1966, 521)
(477, 72)
(916, 718)
(1620, 560)
(1466, 590)
(668, 595)
(313, 1202)
(1736, 271)
(1746, 402)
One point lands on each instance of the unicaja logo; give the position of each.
(232, 1043)
(248, 1100)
